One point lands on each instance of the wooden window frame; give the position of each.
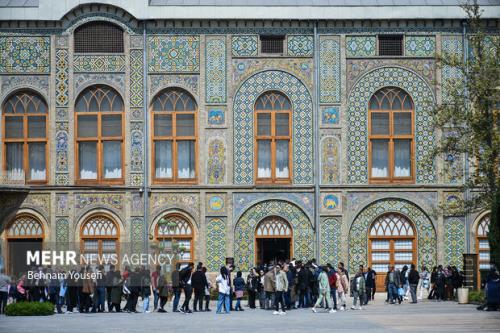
(100, 238)
(190, 237)
(391, 137)
(99, 140)
(25, 140)
(479, 250)
(273, 138)
(174, 139)
(257, 237)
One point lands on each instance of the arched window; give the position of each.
(25, 137)
(174, 136)
(392, 243)
(273, 138)
(391, 136)
(273, 227)
(175, 234)
(99, 136)
(482, 243)
(98, 37)
(99, 236)
(25, 226)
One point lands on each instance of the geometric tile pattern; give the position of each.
(244, 46)
(331, 240)
(450, 45)
(62, 234)
(99, 63)
(215, 69)
(62, 151)
(216, 244)
(24, 55)
(136, 78)
(244, 100)
(244, 232)
(136, 235)
(159, 82)
(357, 115)
(360, 46)
(136, 150)
(358, 234)
(329, 69)
(420, 46)
(330, 160)
(62, 78)
(216, 164)
(300, 46)
(174, 53)
(454, 241)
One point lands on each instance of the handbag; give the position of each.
(401, 292)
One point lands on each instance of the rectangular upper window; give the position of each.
(272, 44)
(390, 45)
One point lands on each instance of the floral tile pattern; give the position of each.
(24, 55)
(329, 69)
(215, 69)
(167, 53)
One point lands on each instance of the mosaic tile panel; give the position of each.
(10, 83)
(329, 69)
(189, 202)
(62, 207)
(62, 77)
(420, 46)
(450, 45)
(91, 200)
(136, 149)
(358, 235)
(453, 168)
(110, 63)
(216, 204)
(330, 116)
(331, 240)
(136, 235)
(160, 82)
(62, 151)
(244, 45)
(300, 46)
(331, 203)
(115, 80)
(62, 234)
(244, 232)
(136, 42)
(361, 46)
(301, 118)
(24, 55)
(216, 244)
(215, 69)
(174, 53)
(216, 116)
(216, 164)
(136, 78)
(454, 242)
(357, 116)
(330, 160)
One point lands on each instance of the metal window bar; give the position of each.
(99, 37)
(391, 45)
(272, 44)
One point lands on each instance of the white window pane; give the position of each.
(264, 159)
(380, 123)
(87, 160)
(484, 256)
(484, 244)
(36, 127)
(380, 158)
(112, 159)
(403, 256)
(403, 244)
(401, 265)
(380, 268)
(37, 161)
(14, 155)
(282, 170)
(402, 158)
(87, 126)
(108, 245)
(91, 245)
(186, 166)
(380, 244)
(402, 123)
(484, 266)
(163, 159)
(380, 256)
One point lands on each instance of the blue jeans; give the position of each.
(145, 303)
(177, 297)
(99, 299)
(156, 297)
(393, 292)
(333, 293)
(223, 300)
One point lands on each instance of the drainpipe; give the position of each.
(465, 52)
(145, 162)
(316, 140)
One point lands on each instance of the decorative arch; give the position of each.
(177, 228)
(360, 229)
(273, 226)
(330, 160)
(99, 238)
(244, 231)
(25, 226)
(20, 87)
(357, 115)
(243, 108)
(33, 212)
(108, 213)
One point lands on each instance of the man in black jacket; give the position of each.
(413, 279)
(185, 282)
(199, 283)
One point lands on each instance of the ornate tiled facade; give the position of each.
(454, 235)
(174, 54)
(330, 160)
(216, 165)
(23, 55)
(244, 46)
(136, 78)
(216, 244)
(300, 46)
(215, 69)
(451, 45)
(420, 46)
(99, 63)
(360, 46)
(329, 69)
(331, 238)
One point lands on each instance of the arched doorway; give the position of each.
(273, 240)
(25, 233)
(483, 248)
(175, 234)
(391, 243)
(99, 244)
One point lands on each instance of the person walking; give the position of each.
(342, 289)
(404, 282)
(324, 291)
(358, 289)
(145, 289)
(253, 282)
(109, 285)
(186, 284)
(239, 287)
(281, 288)
(440, 284)
(176, 287)
(4, 290)
(224, 289)
(424, 282)
(199, 283)
(333, 281)
(163, 292)
(413, 278)
(207, 290)
(370, 284)
(116, 291)
(155, 277)
(100, 290)
(392, 283)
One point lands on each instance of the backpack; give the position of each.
(332, 280)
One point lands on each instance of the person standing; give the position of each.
(199, 283)
(302, 284)
(222, 281)
(342, 288)
(186, 284)
(87, 290)
(281, 288)
(413, 278)
(370, 284)
(269, 288)
(333, 281)
(155, 277)
(253, 282)
(392, 283)
(207, 290)
(109, 285)
(163, 292)
(176, 287)
(145, 289)
(4, 290)
(324, 291)
(424, 282)
(239, 287)
(358, 289)
(100, 290)
(440, 283)
(116, 291)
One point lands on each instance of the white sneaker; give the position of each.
(147, 311)
(276, 313)
(313, 310)
(342, 308)
(332, 311)
(282, 313)
(353, 307)
(360, 308)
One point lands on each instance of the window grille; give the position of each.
(272, 44)
(390, 45)
(99, 37)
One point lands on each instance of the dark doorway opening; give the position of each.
(272, 250)
(18, 249)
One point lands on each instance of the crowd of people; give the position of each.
(278, 287)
